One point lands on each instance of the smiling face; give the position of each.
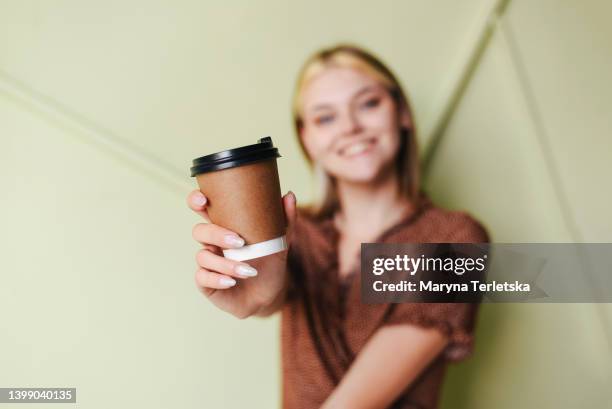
(350, 125)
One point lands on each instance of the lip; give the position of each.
(370, 142)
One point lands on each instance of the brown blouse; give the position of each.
(324, 325)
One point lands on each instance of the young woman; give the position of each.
(355, 126)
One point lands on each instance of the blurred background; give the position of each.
(103, 105)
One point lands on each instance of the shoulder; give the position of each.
(436, 224)
(454, 226)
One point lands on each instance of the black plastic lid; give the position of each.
(263, 150)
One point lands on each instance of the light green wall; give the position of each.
(527, 150)
(104, 104)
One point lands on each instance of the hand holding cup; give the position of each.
(240, 288)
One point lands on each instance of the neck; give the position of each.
(369, 208)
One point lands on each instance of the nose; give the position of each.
(350, 123)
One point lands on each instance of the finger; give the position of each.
(219, 264)
(210, 233)
(290, 204)
(290, 207)
(207, 279)
(197, 202)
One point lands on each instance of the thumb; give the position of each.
(290, 207)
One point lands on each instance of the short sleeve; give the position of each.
(467, 230)
(455, 320)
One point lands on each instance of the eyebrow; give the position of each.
(361, 91)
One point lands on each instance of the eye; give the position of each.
(324, 119)
(371, 103)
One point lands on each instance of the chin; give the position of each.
(361, 176)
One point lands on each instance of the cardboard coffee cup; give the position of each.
(243, 191)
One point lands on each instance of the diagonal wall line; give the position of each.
(495, 23)
(552, 166)
(466, 73)
(134, 156)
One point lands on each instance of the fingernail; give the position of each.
(227, 282)
(293, 195)
(246, 271)
(199, 200)
(234, 240)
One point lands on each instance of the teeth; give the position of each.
(356, 148)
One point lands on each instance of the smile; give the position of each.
(358, 148)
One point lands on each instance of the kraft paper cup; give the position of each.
(243, 191)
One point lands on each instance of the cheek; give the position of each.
(394, 142)
(384, 119)
(386, 128)
(317, 144)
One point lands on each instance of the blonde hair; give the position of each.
(407, 162)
